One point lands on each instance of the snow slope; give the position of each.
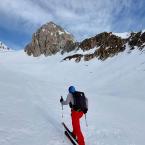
(30, 89)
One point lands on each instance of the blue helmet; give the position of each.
(71, 89)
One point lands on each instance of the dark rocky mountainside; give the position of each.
(3, 47)
(51, 38)
(107, 45)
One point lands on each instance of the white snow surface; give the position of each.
(122, 35)
(60, 32)
(30, 89)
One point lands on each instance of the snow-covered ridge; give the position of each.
(124, 35)
(4, 47)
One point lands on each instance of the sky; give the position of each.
(19, 19)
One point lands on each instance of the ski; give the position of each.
(69, 135)
(66, 127)
(70, 138)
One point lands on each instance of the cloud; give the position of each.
(83, 18)
(129, 17)
(20, 12)
(33, 13)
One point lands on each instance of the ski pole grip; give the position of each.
(61, 104)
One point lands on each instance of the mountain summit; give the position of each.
(3, 47)
(50, 39)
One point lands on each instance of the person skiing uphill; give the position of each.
(79, 106)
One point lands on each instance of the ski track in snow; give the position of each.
(30, 89)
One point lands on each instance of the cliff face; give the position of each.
(106, 45)
(49, 40)
(137, 39)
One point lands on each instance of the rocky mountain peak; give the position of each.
(3, 47)
(50, 39)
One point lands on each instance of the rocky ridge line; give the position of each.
(51, 38)
(107, 45)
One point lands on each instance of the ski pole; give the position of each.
(62, 108)
(86, 120)
(62, 118)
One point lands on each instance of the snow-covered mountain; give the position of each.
(51, 39)
(3, 47)
(30, 89)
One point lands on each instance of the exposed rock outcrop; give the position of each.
(107, 45)
(50, 39)
(77, 57)
(3, 47)
(137, 39)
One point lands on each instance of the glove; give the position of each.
(61, 100)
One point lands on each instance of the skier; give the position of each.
(79, 106)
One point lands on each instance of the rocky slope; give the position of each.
(3, 47)
(50, 39)
(106, 45)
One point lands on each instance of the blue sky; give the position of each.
(19, 19)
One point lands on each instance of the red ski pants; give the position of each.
(76, 126)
